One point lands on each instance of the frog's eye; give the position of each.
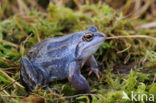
(88, 37)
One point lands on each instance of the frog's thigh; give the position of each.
(76, 79)
(31, 74)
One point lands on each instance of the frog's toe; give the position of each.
(96, 71)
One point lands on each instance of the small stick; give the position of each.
(6, 92)
(37, 33)
(10, 96)
(13, 81)
(21, 28)
(9, 62)
(7, 42)
(8, 85)
(132, 36)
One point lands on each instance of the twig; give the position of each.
(8, 62)
(18, 24)
(147, 25)
(68, 97)
(13, 81)
(7, 42)
(10, 96)
(8, 85)
(10, 68)
(4, 62)
(37, 34)
(24, 10)
(124, 49)
(132, 36)
(77, 3)
(9, 72)
(6, 92)
(142, 10)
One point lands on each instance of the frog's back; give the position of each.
(54, 54)
(53, 49)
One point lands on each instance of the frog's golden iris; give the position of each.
(88, 37)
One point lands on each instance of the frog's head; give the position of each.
(90, 40)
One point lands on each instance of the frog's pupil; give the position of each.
(88, 36)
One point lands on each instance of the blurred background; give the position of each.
(144, 9)
(127, 59)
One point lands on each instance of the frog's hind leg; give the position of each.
(32, 75)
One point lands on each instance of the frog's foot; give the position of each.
(96, 71)
(32, 75)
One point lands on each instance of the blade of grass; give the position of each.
(7, 42)
(11, 78)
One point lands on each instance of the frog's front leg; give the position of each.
(93, 67)
(32, 75)
(76, 79)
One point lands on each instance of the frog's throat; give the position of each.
(97, 43)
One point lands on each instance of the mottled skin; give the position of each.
(62, 57)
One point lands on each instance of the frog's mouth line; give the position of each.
(97, 43)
